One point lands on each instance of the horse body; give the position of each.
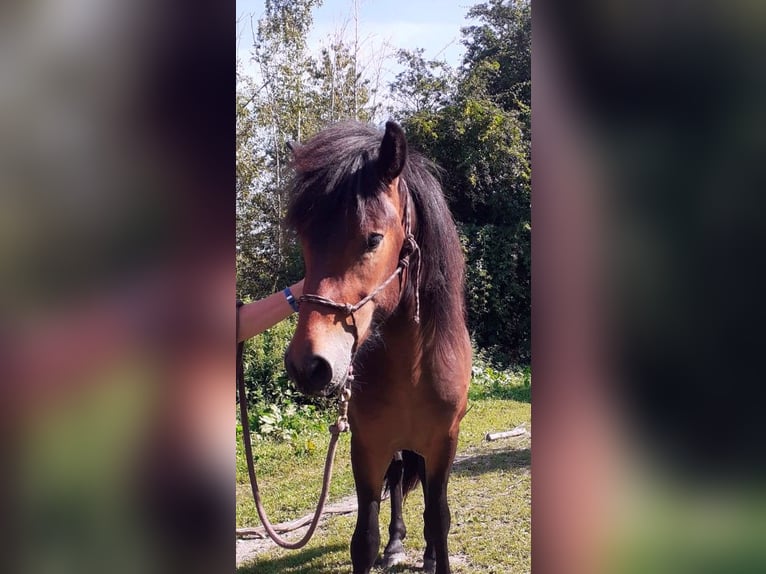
(404, 394)
(364, 209)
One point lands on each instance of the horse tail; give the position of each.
(412, 468)
(412, 465)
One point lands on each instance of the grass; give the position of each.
(489, 493)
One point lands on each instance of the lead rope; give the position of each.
(340, 425)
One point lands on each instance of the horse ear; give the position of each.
(393, 153)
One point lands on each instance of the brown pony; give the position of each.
(384, 285)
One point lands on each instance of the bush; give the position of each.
(490, 382)
(498, 290)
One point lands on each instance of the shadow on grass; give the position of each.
(492, 461)
(297, 562)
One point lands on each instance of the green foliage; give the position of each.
(272, 109)
(422, 86)
(498, 290)
(263, 361)
(490, 382)
(499, 54)
(340, 87)
(285, 421)
(485, 158)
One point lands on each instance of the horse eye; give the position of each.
(373, 240)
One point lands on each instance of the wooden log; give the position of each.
(518, 431)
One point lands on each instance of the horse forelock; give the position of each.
(334, 178)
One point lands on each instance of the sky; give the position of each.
(430, 24)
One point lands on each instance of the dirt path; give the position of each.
(252, 545)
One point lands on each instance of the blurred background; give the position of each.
(647, 202)
(117, 286)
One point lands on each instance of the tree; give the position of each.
(477, 129)
(339, 86)
(292, 97)
(422, 86)
(498, 57)
(272, 109)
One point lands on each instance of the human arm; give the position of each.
(256, 317)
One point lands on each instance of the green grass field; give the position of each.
(489, 494)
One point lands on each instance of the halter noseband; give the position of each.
(409, 248)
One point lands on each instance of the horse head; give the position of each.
(353, 216)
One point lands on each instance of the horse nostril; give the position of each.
(312, 373)
(318, 373)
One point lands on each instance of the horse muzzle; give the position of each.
(316, 374)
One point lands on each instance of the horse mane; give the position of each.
(335, 172)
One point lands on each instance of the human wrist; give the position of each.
(297, 289)
(291, 298)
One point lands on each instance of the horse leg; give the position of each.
(429, 556)
(394, 552)
(436, 516)
(369, 466)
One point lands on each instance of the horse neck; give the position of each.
(403, 326)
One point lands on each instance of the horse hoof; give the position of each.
(429, 565)
(391, 559)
